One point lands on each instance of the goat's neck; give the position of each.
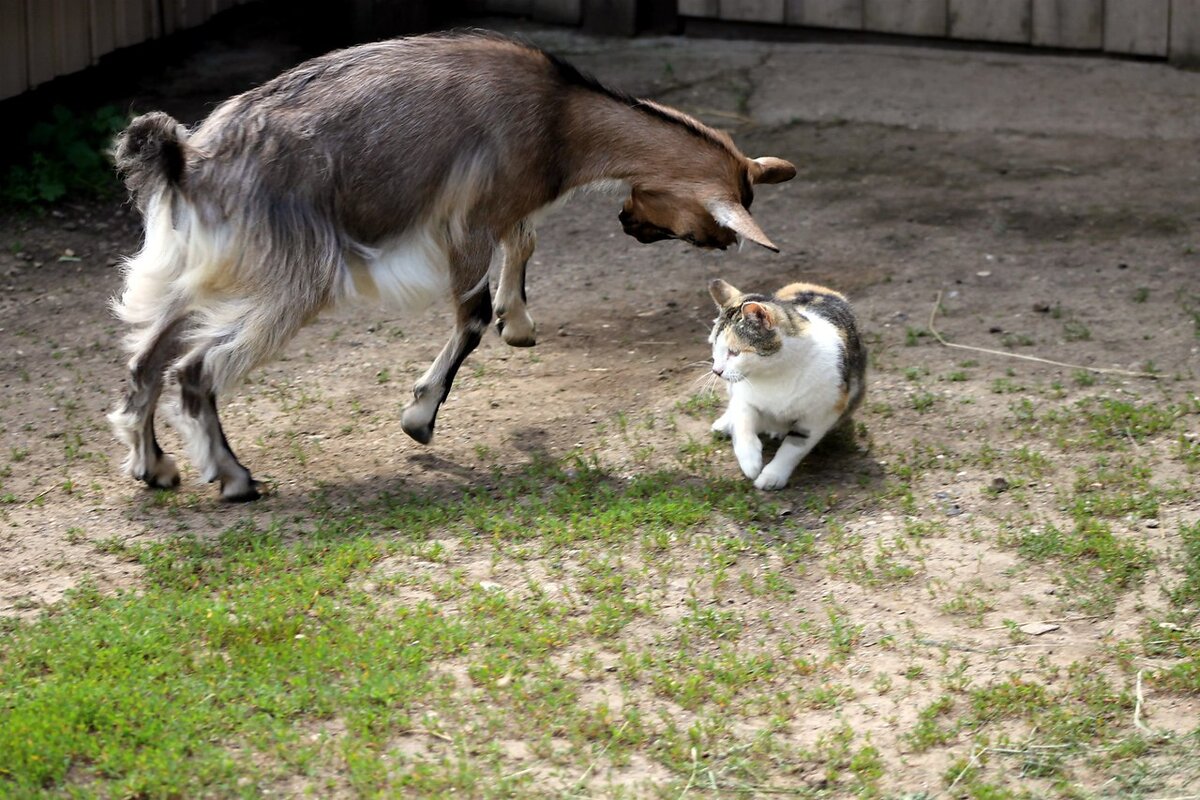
(608, 140)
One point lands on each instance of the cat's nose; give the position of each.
(718, 371)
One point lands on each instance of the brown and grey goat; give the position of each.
(391, 172)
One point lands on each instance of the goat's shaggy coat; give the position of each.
(391, 171)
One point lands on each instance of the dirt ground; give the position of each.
(1053, 201)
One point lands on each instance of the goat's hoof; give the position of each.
(417, 426)
(245, 490)
(518, 332)
(165, 474)
(520, 341)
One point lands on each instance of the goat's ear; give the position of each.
(722, 293)
(737, 219)
(759, 313)
(771, 170)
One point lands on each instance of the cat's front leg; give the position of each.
(724, 424)
(796, 445)
(746, 445)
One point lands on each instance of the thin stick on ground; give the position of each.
(1137, 708)
(975, 756)
(937, 303)
(579, 781)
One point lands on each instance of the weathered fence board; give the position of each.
(1185, 32)
(911, 17)
(562, 12)
(752, 10)
(101, 27)
(1139, 27)
(14, 65)
(698, 8)
(510, 6)
(990, 21)
(1077, 24)
(134, 21)
(825, 13)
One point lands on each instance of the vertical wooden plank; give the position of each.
(910, 17)
(698, 8)
(102, 27)
(132, 22)
(39, 41)
(193, 12)
(510, 6)
(610, 17)
(1140, 27)
(752, 10)
(170, 17)
(825, 13)
(73, 38)
(1078, 24)
(991, 21)
(1184, 46)
(561, 12)
(14, 58)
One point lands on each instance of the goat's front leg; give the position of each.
(474, 314)
(516, 327)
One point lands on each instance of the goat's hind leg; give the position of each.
(248, 336)
(516, 327)
(133, 423)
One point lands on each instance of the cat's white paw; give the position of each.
(769, 480)
(723, 426)
(750, 462)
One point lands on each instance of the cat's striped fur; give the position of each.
(795, 367)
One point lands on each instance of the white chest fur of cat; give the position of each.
(794, 366)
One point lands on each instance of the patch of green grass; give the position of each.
(1097, 563)
(701, 404)
(235, 648)
(1108, 423)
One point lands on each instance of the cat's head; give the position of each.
(748, 331)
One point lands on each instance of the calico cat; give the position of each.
(795, 367)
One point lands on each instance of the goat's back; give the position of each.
(376, 135)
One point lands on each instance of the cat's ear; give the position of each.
(759, 313)
(722, 292)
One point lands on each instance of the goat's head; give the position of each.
(703, 214)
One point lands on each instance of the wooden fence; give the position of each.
(1165, 28)
(42, 39)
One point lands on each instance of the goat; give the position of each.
(390, 171)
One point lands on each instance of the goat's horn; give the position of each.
(738, 220)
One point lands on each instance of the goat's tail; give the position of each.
(151, 154)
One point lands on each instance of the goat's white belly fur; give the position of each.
(409, 273)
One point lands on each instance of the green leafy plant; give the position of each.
(66, 156)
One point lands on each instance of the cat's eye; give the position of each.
(734, 353)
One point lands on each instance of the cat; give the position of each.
(794, 366)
